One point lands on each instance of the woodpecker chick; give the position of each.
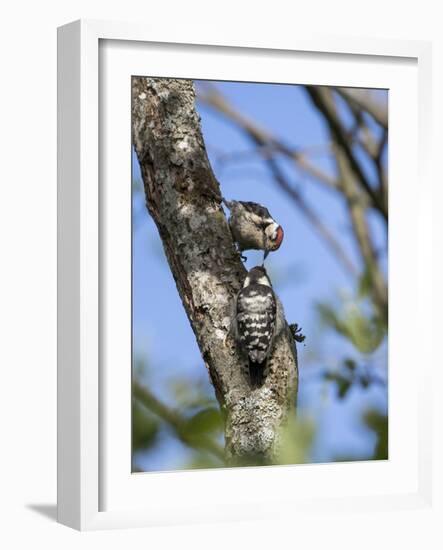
(255, 319)
(253, 227)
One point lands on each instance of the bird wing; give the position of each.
(257, 209)
(256, 312)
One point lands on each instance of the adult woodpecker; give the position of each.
(257, 322)
(253, 227)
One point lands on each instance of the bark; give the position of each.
(184, 199)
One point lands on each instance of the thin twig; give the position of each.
(266, 142)
(366, 103)
(380, 168)
(323, 100)
(356, 207)
(312, 216)
(212, 98)
(362, 235)
(363, 136)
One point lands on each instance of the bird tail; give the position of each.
(256, 373)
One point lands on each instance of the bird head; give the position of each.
(257, 275)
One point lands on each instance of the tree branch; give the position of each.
(183, 198)
(268, 144)
(322, 99)
(362, 235)
(312, 216)
(363, 136)
(262, 137)
(357, 214)
(348, 184)
(366, 103)
(173, 418)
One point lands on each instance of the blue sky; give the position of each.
(303, 271)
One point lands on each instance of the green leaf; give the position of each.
(343, 383)
(343, 387)
(378, 423)
(365, 332)
(144, 429)
(205, 421)
(296, 441)
(365, 283)
(350, 364)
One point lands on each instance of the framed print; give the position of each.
(240, 231)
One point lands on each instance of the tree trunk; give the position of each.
(184, 199)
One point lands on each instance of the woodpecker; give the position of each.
(253, 227)
(256, 322)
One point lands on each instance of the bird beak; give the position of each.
(265, 256)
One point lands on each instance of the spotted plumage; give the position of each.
(256, 209)
(255, 321)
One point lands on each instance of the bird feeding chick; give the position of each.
(253, 227)
(257, 321)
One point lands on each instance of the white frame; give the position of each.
(78, 265)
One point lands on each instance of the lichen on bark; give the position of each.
(184, 199)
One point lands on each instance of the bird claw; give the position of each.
(296, 333)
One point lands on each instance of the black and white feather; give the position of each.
(256, 322)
